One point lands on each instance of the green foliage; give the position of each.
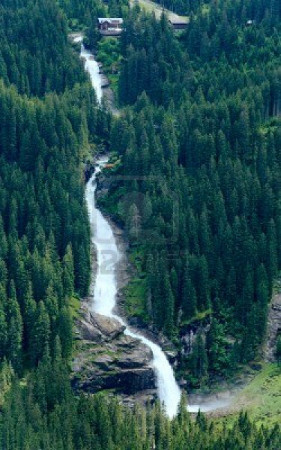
(6, 377)
(43, 413)
(44, 234)
(200, 157)
(109, 53)
(261, 397)
(185, 6)
(278, 349)
(198, 362)
(135, 298)
(83, 14)
(110, 57)
(27, 59)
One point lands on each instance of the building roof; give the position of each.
(110, 20)
(177, 20)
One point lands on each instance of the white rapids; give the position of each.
(92, 67)
(105, 284)
(105, 290)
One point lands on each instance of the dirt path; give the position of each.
(150, 6)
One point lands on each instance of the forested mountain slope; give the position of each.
(44, 233)
(202, 149)
(33, 45)
(49, 122)
(254, 10)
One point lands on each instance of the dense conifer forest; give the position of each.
(200, 142)
(184, 7)
(202, 147)
(48, 113)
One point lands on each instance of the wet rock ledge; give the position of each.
(108, 359)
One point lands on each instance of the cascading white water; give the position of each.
(105, 290)
(108, 256)
(92, 67)
(105, 283)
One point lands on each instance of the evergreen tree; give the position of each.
(40, 336)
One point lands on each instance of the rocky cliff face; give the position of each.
(108, 359)
(273, 328)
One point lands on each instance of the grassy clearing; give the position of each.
(261, 398)
(157, 9)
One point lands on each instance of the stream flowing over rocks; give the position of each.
(111, 360)
(111, 354)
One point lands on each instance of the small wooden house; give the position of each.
(108, 25)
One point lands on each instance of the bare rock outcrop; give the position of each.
(273, 328)
(109, 359)
(98, 328)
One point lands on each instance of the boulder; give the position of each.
(98, 328)
(109, 359)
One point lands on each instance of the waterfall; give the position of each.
(104, 291)
(92, 67)
(104, 288)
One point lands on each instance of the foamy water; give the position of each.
(104, 288)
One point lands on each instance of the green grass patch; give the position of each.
(157, 8)
(261, 398)
(263, 395)
(75, 304)
(199, 317)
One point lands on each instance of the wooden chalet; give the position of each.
(110, 26)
